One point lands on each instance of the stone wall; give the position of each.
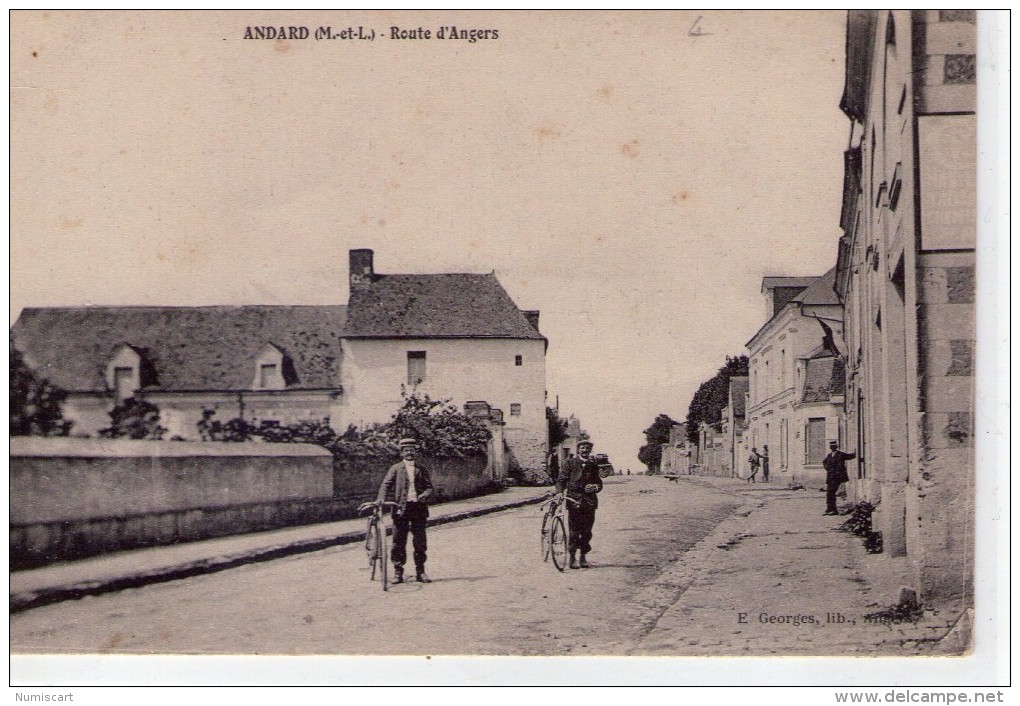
(945, 477)
(72, 498)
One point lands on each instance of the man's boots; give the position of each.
(573, 559)
(398, 573)
(584, 560)
(422, 576)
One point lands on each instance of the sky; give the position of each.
(631, 175)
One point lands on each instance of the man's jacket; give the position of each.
(835, 466)
(576, 474)
(395, 485)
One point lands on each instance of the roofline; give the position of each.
(189, 391)
(85, 307)
(408, 336)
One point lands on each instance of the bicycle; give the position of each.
(375, 541)
(556, 530)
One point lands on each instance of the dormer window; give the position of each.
(125, 372)
(271, 368)
(268, 373)
(124, 383)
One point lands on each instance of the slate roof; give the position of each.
(773, 282)
(189, 348)
(435, 306)
(823, 378)
(822, 291)
(738, 392)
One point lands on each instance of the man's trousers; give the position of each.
(413, 519)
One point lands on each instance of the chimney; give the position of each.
(361, 269)
(532, 317)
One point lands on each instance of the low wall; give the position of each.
(453, 478)
(72, 498)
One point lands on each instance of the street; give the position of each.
(491, 593)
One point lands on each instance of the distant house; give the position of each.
(451, 336)
(781, 354)
(678, 455)
(256, 362)
(733, 423)
(457, 336)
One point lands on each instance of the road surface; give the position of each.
(491, 593)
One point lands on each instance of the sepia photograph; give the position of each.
(472, 339)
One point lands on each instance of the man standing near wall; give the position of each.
(581, 481)
(409, 483)
(835, 474)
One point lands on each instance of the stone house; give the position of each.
(679, 456)
(906, 280)
(451, 336)
(733, 425)
(775, 415)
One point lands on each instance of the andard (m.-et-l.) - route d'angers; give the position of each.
(366, 33)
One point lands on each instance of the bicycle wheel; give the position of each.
(380, 528)
(546, 534)
(372, 546)
(558, 544)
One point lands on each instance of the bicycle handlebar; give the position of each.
(373, 505)
(557, 497)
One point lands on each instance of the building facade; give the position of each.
(906, 280)
(795, 306)
(456, 337)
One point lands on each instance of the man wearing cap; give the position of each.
(581, 481)
(410, 485)
(835, 474)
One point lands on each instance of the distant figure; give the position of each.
(580, 480)
(754, 460)
(765, 463)
(835, 474)
(628, 471)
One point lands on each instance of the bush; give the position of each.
(442, 431)
(35, 404)
(134, 418)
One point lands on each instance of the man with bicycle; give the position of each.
(409, 483)
(580, 480)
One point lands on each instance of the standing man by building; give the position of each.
(581, 481)
(835, 474)
(410, 485)
(754, 460)
(765, 463)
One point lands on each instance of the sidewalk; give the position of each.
(139, 567)
(778, 578)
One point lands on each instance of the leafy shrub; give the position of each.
(441, 430)
(134, 418)
(35, 404)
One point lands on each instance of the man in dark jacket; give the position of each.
(409, 484)
(580, 480)
(835, 474)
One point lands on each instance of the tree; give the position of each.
(35, 403)
(557, 427)
(656, 435)
(134, 418)
(712, 396)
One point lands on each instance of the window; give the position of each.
(415, 367)
(814, 440)
(515, 409)
(267, 375)
(518, 360)
(124, 383)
